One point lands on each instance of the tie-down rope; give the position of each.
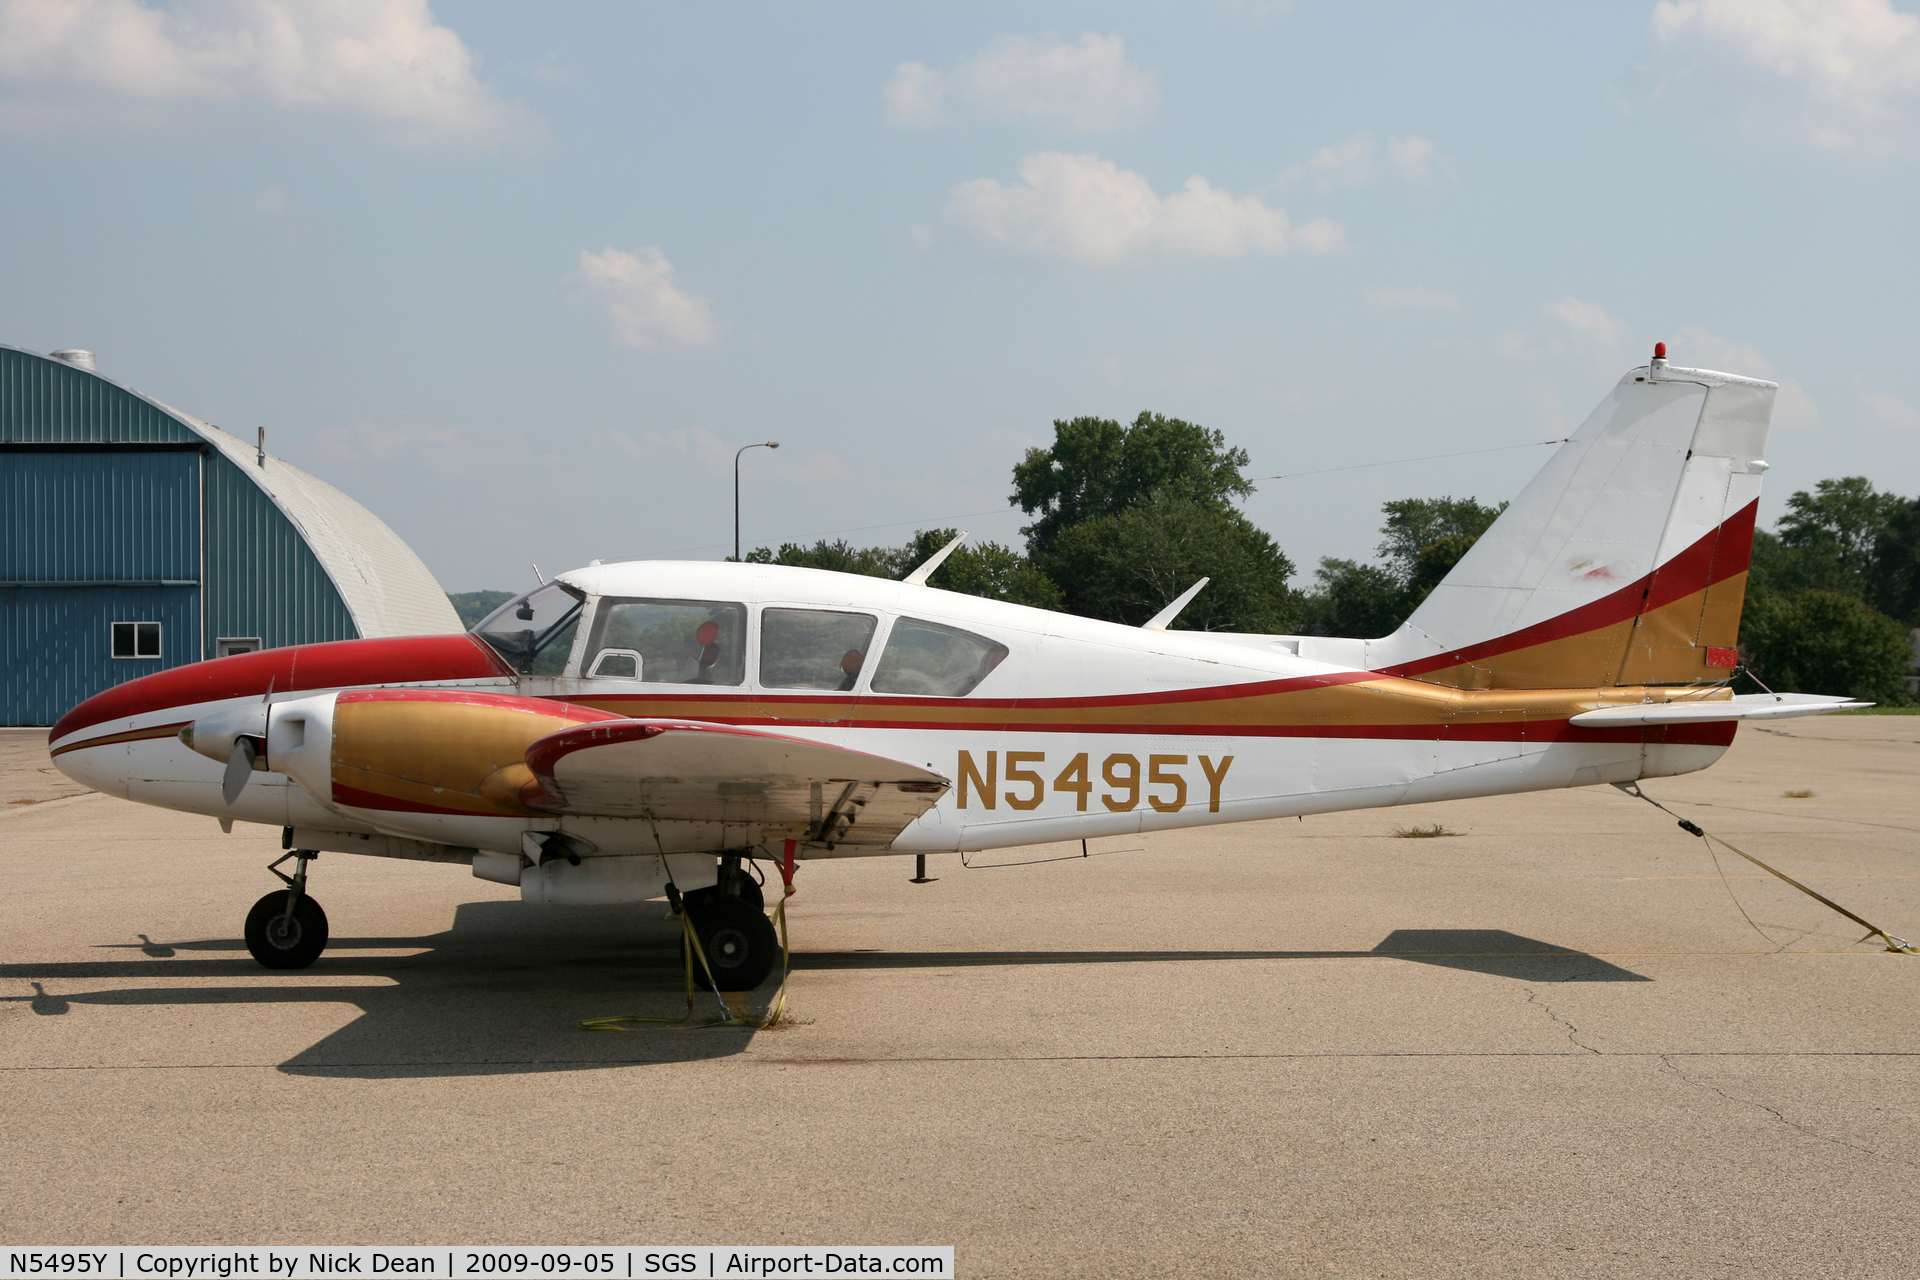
(1895, 944)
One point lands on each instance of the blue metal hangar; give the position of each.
(134, 537)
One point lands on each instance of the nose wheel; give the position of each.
(287, 929)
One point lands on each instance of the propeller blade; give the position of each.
(239, 766)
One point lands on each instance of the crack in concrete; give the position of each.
(1666, 1061)
(1573, 1032)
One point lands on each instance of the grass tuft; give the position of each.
(1796, 795)
(1423, 833)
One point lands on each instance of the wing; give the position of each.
(686, 770)
(1745, 706)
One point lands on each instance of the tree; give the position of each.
(1128, 566)
(1354, 599)
(988, 569)
(1836, 530)
(1896, 564)
(984, 569)
(838, 556)
(1097, 468)
(1825, 642)
(1421, 540)
(1415, 524)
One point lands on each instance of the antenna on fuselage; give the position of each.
(918, 578)
(1161, 620)
(539, 575)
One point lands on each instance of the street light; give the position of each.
(764, 444)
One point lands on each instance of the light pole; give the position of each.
(764, 444)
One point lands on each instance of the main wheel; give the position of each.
(740, 943)
(280, 943)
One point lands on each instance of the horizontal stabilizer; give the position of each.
(683, 770)
(1746, 706)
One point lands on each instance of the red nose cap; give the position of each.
(1659, 351)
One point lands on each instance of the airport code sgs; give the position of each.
(1160, 781)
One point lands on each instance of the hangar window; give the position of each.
(813, 648)
(534, 633)
(668, 641)
(136, 639)
(227, 646)
(927, 658)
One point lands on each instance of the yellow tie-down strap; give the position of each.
(636, 1021)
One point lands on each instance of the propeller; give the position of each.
(239, 766)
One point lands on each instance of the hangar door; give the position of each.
(99, 571)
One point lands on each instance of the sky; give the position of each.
(522, 278)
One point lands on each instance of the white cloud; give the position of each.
(1088, 87)
(111, 61)
(1852, 66)
(1588, 319)
(1090, 210)
(1359, 160)
(913, 96)
(1696, 347)
(1416, 299)
(1890, 411)
(647, 308)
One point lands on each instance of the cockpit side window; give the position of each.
(534, 633)
(813, 648)
(668, 641)
(927, 658)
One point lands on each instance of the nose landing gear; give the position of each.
(288, 930)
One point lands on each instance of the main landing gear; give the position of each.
(288, 930)
(730, 919)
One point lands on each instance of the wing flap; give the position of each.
(685, 770)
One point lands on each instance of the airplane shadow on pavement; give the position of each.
(501, 991)
(1490, 951)
(498, 993)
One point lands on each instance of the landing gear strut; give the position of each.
(730, 919)
(288, 930)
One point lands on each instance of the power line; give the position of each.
(1361, 466)
(924, 522)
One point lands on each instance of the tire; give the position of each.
(740, 943)
(279, 944)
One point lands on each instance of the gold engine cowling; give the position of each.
(443, 750)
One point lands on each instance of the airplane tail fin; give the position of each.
(1624, 562)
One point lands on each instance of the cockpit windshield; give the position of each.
(534, 633)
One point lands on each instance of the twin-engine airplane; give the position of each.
(630, 730)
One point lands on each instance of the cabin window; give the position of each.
(813, 648)
(927, 658)
(668, 641)
(534, 633)
(136, 639)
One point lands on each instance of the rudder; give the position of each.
(1623, 562)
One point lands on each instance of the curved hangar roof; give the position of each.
(384, 586)
(387, 587)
